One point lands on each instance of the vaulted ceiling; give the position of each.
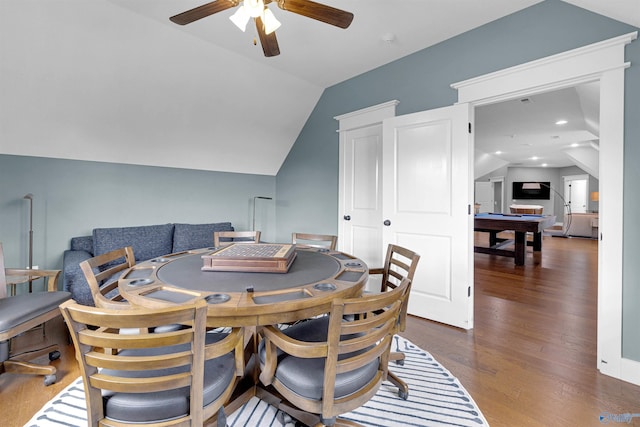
(116, 81)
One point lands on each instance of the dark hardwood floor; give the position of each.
(529, 361)
(531, 358)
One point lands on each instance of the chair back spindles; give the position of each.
(352, 341)
(326, 241)
(102, 274)
(221, 238)
(172, 366)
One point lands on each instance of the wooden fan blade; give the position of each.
(203, 11)
(317, 11)
(268, 41)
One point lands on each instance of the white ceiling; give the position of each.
(523, 132)
(324, 55)
(115, 80)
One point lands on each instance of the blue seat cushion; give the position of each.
(165, 405)
(306, 376)
(20, 308)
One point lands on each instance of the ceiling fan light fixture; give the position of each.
(270, 22)
(266, 22)
(254, 8)
(240, 18)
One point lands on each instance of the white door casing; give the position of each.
(428, 194)
(603, 62)
(498, 193)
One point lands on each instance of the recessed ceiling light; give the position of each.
(562, 122)
(534, 158)
(498, 152)
(544, 165)
(575, 144)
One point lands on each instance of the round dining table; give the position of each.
(315, 277)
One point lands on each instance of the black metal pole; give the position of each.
(30, 198)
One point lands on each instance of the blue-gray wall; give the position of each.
(72, 197)
(307, 183)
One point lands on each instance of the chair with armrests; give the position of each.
(181, 377)
(332, 364)
(399, 263)
(20, 313)
(102, 274)
(221, 238)
(326, 241)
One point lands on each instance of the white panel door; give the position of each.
(484, 196)
(428, 193)
(360, 233)
(575, 193)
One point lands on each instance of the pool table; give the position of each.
(521, 224)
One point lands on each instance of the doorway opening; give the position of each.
(603, 62)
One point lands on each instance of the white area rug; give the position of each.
(436, 398)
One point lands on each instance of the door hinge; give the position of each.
(469, 291)
(468, 209)
(469, 127)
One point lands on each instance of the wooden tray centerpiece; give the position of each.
(251, 257)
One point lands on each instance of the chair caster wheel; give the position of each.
(49, 379)
(403, 395)
(54, 355)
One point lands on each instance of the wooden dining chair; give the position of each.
(23, 312)
(400, 263)
(332, 364)
(102, 274)
(221, 238)
(326, 241)
(181, 377)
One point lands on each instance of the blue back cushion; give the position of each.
(83, 243)
(148, 241)
(196, 236)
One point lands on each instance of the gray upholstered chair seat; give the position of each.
(20, 308)
(166, 405)
(304, 376)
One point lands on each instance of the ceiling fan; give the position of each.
(308, 8)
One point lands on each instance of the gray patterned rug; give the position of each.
(436, 398)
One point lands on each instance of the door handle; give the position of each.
(347, 217)
(387, 222)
